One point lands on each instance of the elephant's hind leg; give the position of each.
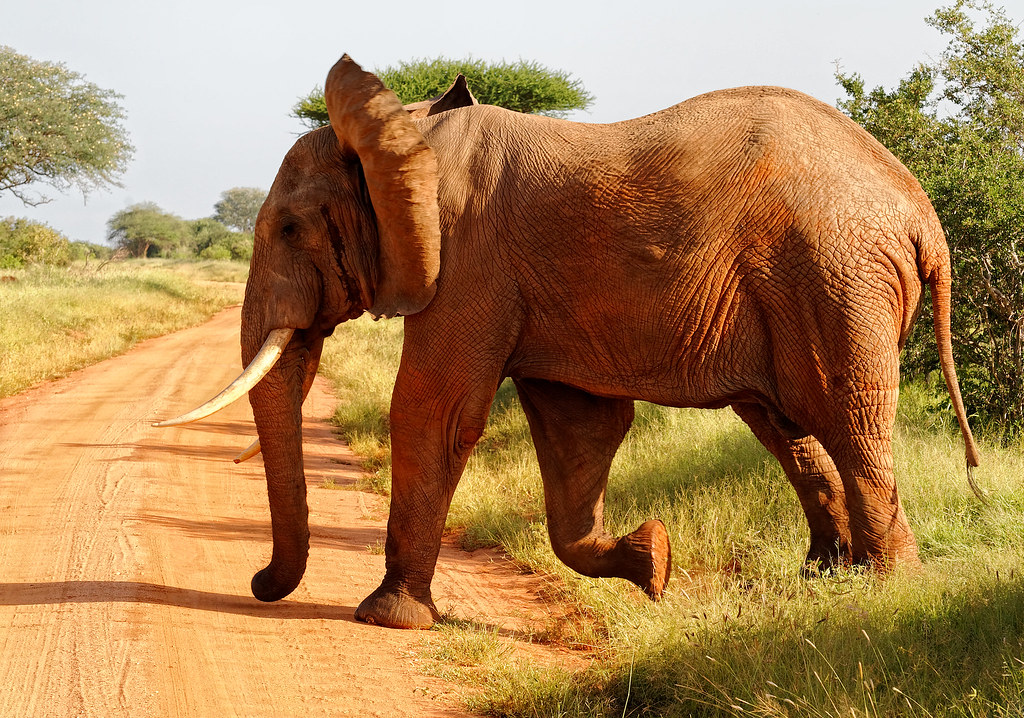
(880, 535)
(817, 484)
(576, 436)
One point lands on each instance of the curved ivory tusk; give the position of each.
(249, 452)
(258, 368)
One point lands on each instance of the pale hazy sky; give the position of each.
(208, 84)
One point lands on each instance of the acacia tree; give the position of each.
(145, 230)
(521, 86)
(958, 125)
(239, 206)
(56, 129)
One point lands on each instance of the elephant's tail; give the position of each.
(935, 267)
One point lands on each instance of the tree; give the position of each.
(56, 129)
(521, 86)
(212, 240)
(239, 206)
(958, 125)
(145, 230)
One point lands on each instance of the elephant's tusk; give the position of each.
(258, 368)
(249, 452)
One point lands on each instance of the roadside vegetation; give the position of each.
(57, 319)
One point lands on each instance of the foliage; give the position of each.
(739, 630)
(239, 206)
(210, 239)
(145, 230)
(24, 242)
(521, 86)
(57, 129)
(958, 125)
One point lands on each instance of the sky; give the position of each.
(208, 85)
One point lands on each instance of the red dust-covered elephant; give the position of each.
(751, 248)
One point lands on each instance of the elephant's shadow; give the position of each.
(348, 538)
(101, 591)
(85, 591)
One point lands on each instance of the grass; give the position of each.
(57, 320)
(739, 631)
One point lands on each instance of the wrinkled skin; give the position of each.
(750, 248)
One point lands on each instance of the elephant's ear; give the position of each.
(457, 95)
(401, 175)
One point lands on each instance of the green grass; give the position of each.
(739, 631)
(57, 320)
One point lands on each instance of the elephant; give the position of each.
(751, 248)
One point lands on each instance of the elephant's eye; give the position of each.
(289, 231)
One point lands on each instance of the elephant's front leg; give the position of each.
(576, 436)
(435, 423)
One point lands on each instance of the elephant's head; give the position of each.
(350, 225)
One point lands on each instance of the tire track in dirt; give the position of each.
(126, 553)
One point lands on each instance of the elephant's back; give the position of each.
(781, 132)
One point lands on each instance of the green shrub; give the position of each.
(24, 242)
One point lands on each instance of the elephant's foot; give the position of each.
(270, 585)
(897, 547)
(645, 558)
(889, 557)
(396, 608)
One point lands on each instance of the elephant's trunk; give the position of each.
(277, 408)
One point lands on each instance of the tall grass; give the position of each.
(56, 320)
(739, 631)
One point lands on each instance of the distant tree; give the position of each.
(145, 230)
(958, 125)
(521, 86)
(24, 242)
(212, 240)
(56, 129)
(239, 206)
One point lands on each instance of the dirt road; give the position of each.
(126, 553)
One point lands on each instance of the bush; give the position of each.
(215, 251)
(24, 242)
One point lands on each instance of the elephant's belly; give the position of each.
(649, 371)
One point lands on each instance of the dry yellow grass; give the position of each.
(56, 320)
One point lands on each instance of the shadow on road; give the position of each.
(348, 538)
(32, 594)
